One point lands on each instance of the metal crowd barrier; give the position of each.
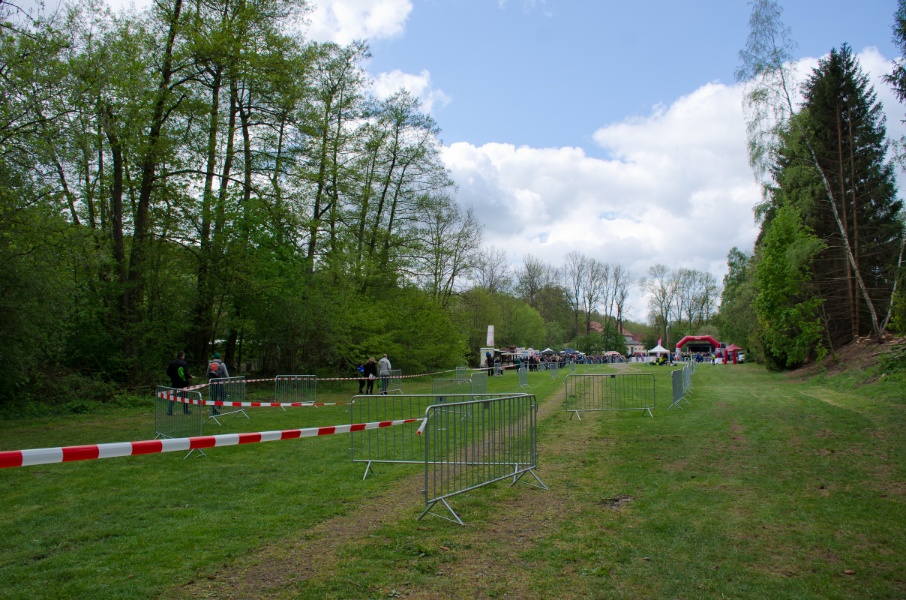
(553, 368)
(687, 379)
(174, 419)
(606, 392)
(395, 381)
(473, 443)
(226, 389)
(462, 373)
(391, 444)
(523, 377)
(467, 441)
(295, 388)
(448, 387)
(677, 379)
(478, 383)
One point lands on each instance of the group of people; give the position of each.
(370, 370)
(178, 372)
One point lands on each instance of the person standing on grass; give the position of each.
(178, 372)
(384, 371)
(370, 375)
(361, 371)
(217, 369)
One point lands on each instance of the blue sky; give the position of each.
(611, 128)
(547, 74)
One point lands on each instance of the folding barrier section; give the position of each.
(395, 381)
(227, 390)
(393, 444)
(678, 382)
(448, 387)
(472, 443)
(176, 419)
(478, 383)
(606, 392)
(295, 388)
(523, 377)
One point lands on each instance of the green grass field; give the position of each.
(760, 487)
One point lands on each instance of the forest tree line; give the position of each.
(199, 176)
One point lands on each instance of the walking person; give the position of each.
(178, 372)
(384, 371)
(362, 377)
(217, 369)
(370, 375)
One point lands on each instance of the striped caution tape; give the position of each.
(201, 386)
(175, 397)
(44, 456)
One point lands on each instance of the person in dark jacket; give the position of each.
(361, 371)
(178, 372)
(370, 375)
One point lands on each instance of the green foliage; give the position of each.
(788, 309)
(612, 339)
(738, 321)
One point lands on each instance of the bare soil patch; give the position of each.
(479, 567)
(856, 356)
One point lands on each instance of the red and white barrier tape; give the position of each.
(44, 456)
(201, 386)
(174, 397)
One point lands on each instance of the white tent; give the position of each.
(658, 350)
(547, 351)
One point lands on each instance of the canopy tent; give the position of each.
(733, 348)
(658, 350)
(547, 351)
(612, 353)
(570, 351)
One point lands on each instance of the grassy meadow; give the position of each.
(762, 486)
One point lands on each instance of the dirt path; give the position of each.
(483, 565)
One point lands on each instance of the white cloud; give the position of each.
(343, 21)
(387, 84)
(676, 189)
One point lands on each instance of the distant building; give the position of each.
(634, 343)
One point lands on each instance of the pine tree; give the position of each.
(845, 128)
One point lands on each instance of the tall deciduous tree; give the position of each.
(787, 302)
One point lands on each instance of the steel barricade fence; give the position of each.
(572, 366)
(175, 419)
(476, 442)
(391, 444)
(523, 377)
(462, 373)
(553, 368)
(448, 387)
(226, 390)
(478, 383)
(687, 379)
(295, 388)
(395, 381)
(610, 392)
(676, 379)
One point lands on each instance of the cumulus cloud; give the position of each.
(674, 186)
(343, 21)
(387, 84)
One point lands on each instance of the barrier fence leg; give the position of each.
(449, 508)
